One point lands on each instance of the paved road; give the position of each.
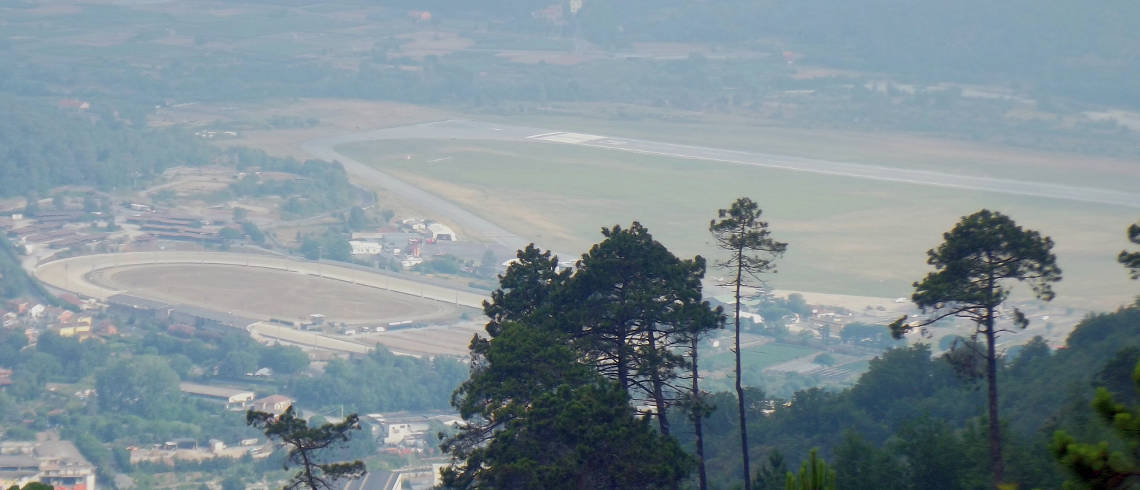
(477, 130)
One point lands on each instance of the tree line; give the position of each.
(583, 372)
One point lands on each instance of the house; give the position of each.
(272, 404)
(75, 329)
(56, 463)
(5, 377)
(408, 429)
(360, 247)
(36, 312)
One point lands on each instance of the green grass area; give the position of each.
(891, 149)
(846, 236)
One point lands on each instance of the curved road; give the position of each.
(477, 130)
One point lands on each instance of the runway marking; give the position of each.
(572, 138)
(885, 174)
(539, 136)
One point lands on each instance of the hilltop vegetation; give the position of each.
(47, 146)
(980, 71)
(912, 420)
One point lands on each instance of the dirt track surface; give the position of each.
(262, 292)
(275, 280)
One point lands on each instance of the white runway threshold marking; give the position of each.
(571, 138)
(543, 135)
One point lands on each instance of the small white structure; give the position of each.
(399, 432)
(440, 231)
(360, 247)
(756, 318)
(37, 311)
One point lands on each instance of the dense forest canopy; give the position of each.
(44, 146)
(1068, 48)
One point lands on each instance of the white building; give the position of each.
(360, 247)
(440, 231)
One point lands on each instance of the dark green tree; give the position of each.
(773, 475)
(357, 220)
(526, 290)
(306, 444)
(1131, 260)
(488, 399)
(632, 309)
(859, 465)
(550, 337)
(973, 265)
(32, 486)
(1097, 465)
(814, 474)
(145, 386)
(751, 252)
(310, 248)
(508, 372)
(539, 418)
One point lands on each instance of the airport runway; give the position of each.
(477, 130)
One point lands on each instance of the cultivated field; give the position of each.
(257, 293)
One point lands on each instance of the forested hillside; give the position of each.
(622, 328)
(914, 420)
(43, 146)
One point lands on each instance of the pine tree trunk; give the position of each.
(739, 388)
(698, 417)
(996, 462)
(655, 379)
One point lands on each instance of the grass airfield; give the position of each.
(846, 236)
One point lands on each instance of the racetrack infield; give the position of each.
(259, 292)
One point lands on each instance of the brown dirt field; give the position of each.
(259, 292)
